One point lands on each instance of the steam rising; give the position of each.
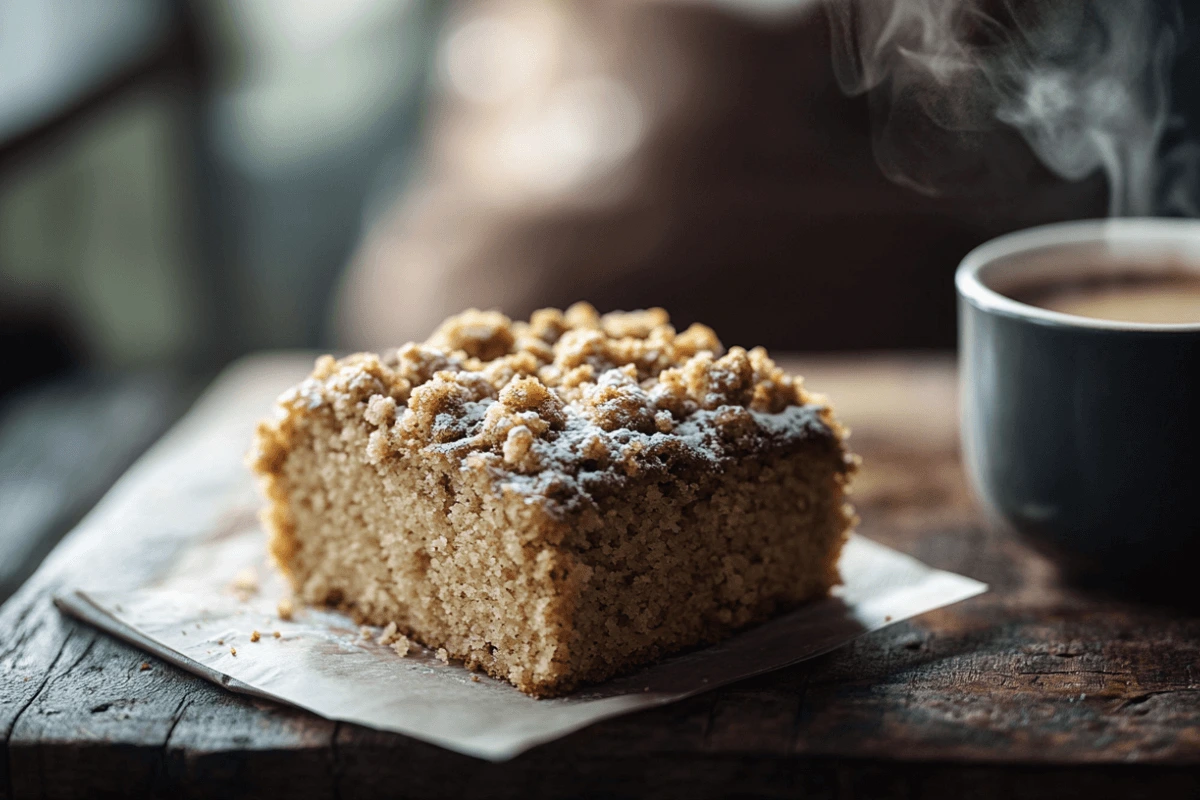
(1085, 82)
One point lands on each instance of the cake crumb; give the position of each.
(276, 634)
(285, 609)
(254, 637)
(474, 679)
(364, 632)
(402, 646)
(388, 636)
(233, 651)
(145, 666)
(220, 641)
(245, 583)
(443, 655)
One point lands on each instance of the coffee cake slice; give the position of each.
(559, 501)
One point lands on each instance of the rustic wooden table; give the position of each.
(1032, 690)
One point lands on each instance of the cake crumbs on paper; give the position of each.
(145, 666)
(443, 655)
(474, 679)
(285, 608)
(388, 636)
(364, 632)
(220, 641)
(401, 645)
(276, 634)
(254, 636)
(233, 651)
(887, 618)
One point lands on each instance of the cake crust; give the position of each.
(560, 500)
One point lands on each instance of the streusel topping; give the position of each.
(554, 404)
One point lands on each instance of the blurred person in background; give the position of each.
(698, 156)
(182, 182)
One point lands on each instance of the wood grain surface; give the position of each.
(1033, 690)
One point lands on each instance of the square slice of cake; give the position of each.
(558, 501)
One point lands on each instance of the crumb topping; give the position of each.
(559, 399)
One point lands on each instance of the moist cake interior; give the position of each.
(557, 512)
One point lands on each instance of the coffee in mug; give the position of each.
(1080, 366)
(1167, 297)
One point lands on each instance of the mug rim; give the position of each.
(972, 289)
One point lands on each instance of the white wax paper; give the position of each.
(195, 618)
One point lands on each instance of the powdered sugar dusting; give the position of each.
(565, 405)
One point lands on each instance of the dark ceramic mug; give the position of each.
(1083, 434)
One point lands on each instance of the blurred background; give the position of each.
(186, 181)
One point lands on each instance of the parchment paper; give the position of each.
(199, 620)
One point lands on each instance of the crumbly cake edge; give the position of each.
(351, 386)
